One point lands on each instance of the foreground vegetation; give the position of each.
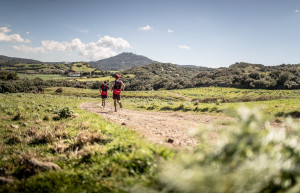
(249, 157)
(49, 145)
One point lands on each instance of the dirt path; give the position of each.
(168, 128)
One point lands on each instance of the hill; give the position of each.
(5, 60)
(122, 61)
(26, 67)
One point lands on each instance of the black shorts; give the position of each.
(104, 96)
(117, 96)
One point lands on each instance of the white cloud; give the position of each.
(145, 28)
(27, 33)
(4, 37)
(103, 48)
(170, 31)
(184, 47)
(297, 11)
(4, 30)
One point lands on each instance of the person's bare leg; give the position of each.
(120, 104)
(103, 102)
(115, 104)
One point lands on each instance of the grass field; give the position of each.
(101, 79)
(48, 143)
(232, 93)
(69, 91)
(43, 76)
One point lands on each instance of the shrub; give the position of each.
(252, 157)
(180, 107)
(59, 90)
(166, 108)
(65, 113)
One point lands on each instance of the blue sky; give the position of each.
(210, 33)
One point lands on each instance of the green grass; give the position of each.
(101, 79)
(231, 93)
(285, 102)
(93, 154)
(43, 76)
(69, 91)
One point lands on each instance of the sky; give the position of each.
(210, 33)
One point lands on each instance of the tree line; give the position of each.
(239, 75)
(169, 76)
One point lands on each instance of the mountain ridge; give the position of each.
(14, 60)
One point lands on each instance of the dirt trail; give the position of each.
(168, 128)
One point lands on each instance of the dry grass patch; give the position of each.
(59, 147)
(13, 139)
(42, 137)
(86, 137)
(30, 165)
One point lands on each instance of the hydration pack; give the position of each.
(117, 88)
(104, 89)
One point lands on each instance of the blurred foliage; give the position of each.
(249, 157)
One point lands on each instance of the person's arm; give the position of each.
(112, 86)
(123, 86)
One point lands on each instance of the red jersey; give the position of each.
(104, 89)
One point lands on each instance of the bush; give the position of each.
(59, 90)
(65, 113)
(251, 157)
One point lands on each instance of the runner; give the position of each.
(103, 89)
(117, 87)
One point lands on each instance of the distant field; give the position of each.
(218, 92)
(69, 91)
(106, 78)
(80, 67)
(43, 76)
